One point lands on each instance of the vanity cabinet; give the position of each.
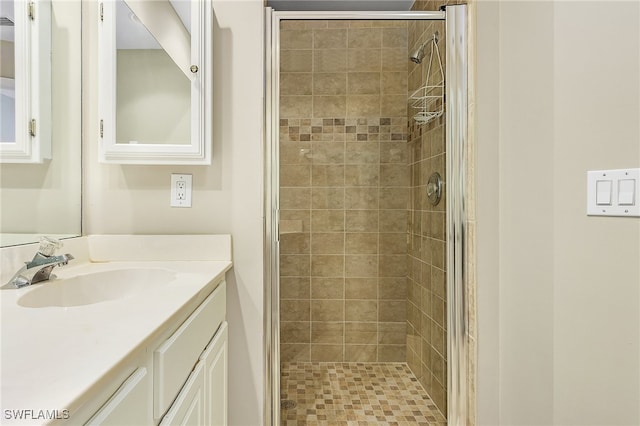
(183, 376)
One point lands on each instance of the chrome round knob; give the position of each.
(434, 188)
(194, 69)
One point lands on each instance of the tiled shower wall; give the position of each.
(343, 190)
(426, 307)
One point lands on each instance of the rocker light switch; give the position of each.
(603, 192)
(626, 192)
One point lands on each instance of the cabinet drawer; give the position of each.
(128, 405)
(174, 360)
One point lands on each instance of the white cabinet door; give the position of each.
(129, 405)
(189, 406)
(215, 360)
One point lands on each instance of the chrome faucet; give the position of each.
(40, 267)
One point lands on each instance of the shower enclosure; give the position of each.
(365, 241)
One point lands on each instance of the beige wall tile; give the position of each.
(394, 83)
(294, 152)
(328, 152)
(392, 288)
(364, 333)
(295, 287)
(393, 221)
(329, 106)
(361, 175)
(361, 266)
(327, 175)
(393, 311)
(394, 37)
(295, 331)
(363, 83)
(361, 310)
(327, 288)
(366, 38)
(330, 60)
(334, 38)
(393, 106)
(295, 175)
(361, 243)
(392, 333)
(394, 60)
(393, 243)
(392, 353)
(327, 332)
(393, 152)
(327, 243)
(330, 83)
(361, 198)
(327, 310)
(361, 221)
(360, 353)
(302, 215)
(296, 61)
(321, 353)
(296, 39)
(294, 243)
(295, 265)
(327, 266)
(394, 175)
(295, 83)
(362, 153)
(295, 198)
(295, 310)
(363, 105)
(328, 220)
(295, 352)
(364, 60)
(360, 288)
(327, 198)
(296, 106)
(394, 198)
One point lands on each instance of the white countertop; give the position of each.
(53, 357)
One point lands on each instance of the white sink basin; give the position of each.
(96, 287)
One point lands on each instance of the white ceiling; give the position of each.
(328, 5)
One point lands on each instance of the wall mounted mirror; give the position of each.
(25, 81)
(42, 197)
(155, 81)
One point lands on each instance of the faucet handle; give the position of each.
(48, 246)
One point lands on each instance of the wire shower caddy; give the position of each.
(428, 100)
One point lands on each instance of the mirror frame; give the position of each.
(198, 150)
(32, 28)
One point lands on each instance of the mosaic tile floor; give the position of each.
(329, 393)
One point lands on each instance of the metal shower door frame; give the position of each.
(455, 18)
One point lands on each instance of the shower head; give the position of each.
(418, 54)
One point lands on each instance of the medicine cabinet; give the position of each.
(25, 81)
(155, 81)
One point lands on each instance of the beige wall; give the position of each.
(45, 198)
(344, 176)
(227, 196)
(559, 292)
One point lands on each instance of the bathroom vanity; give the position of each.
(132, 331)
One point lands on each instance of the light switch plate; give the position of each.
(603, 185)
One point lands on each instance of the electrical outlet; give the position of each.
(180, 190)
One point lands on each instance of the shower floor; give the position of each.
(342, 393)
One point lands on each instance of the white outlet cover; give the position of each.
(187, 180)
